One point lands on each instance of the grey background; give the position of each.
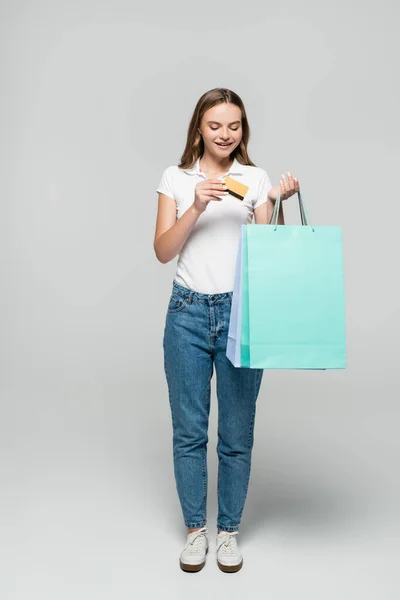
(95, 102)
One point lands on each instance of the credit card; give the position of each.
(235, 188)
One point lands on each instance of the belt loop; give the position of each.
(190, 296)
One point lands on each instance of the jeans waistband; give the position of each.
(206, 298)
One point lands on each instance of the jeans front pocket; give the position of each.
(176, 303)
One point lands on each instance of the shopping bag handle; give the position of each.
(303, 214)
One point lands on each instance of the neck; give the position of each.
(210, 163)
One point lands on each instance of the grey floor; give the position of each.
(89, 507)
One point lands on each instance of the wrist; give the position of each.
(271, 195)
(195, 210)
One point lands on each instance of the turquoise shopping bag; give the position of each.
(292, 296)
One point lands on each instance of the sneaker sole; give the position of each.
(192, 568)
(230, 568)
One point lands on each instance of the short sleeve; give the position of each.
(263, 188)
(166, 184)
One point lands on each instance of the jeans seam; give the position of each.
(205, 479)
(249, 445)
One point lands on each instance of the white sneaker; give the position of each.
(193, 556)
(229, 558)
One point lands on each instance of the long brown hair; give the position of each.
(194, 142)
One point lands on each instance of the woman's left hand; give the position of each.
(287, 186)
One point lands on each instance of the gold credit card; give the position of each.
(235, 188)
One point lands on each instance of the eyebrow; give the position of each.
(220, 123)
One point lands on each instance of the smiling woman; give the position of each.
(216, 146)
(199, 220)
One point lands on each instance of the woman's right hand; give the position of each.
(208, 190)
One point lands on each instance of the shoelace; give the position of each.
(227, 542)
(195, 541)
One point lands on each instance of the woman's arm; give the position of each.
(286, 187)
(171, 234)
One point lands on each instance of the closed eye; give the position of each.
(233, 128)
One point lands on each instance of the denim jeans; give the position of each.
(195, 339)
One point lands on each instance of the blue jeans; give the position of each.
(195, 338)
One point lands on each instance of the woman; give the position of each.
(200, 221)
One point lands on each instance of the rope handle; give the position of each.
(303, 213)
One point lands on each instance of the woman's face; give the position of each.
(221, 124)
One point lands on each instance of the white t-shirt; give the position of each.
(207, 261)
